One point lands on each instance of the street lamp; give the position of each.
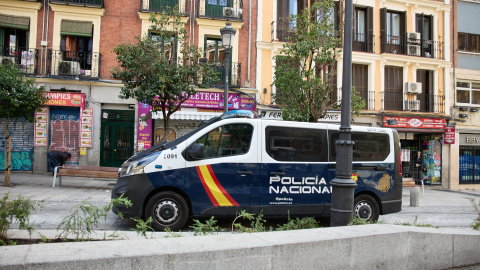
(228, 35)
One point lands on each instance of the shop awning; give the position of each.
(15, 22)
(187, 115)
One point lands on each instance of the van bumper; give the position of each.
(136, 188)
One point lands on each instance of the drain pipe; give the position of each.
(249, 41)
(43, 35)
(46, 50)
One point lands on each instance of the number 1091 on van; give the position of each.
(235, 162)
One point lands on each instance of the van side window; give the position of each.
(296, 144)
(227, 140)
(368, 146)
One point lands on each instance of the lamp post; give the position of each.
(343, 186)
(228, 35)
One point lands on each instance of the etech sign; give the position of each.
(413, 122)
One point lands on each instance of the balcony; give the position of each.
(161, 5)
(283, 30)
(82, 3)
(363, 43)
(73, 64)
(234, 78)
(413, 102)
(412, 47)
(221, 9)
(24, 58)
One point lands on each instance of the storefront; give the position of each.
(58, 124)
(424, 135)
(469, 159)
(198, 108)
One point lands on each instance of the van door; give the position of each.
(221, 182)
(294, 169)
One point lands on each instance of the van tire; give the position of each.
(168, 210)
(366, 207)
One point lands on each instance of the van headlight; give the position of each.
(137, 166)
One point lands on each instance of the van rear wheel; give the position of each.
(168, 210)
(366, 207)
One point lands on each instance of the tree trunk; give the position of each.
(8, 155)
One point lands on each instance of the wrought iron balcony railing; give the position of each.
(25, 59)
(84, 3)
(365, 95)
(161, 5)
(234, 74)
(413, 47)
(74, 64)
(413, 102)
(363, 43)
(221, 9)
(283, 30)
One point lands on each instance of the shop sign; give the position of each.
(144, 137)
(413, 122)
(41, 126)
(469, 139)
(65, 99)
(214, 100)
(86, 127)
(449, 137)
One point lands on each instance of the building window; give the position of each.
(167, 44)
(469, 163)
(393, 94)
(468, 93)
(469, 42)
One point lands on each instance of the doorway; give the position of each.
(116, 138)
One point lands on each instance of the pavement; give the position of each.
(437, 207)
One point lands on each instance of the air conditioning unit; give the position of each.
(413, 87)
(413, 38)
(414, 50)
(412, 105)
(7, 60)
(230, 12)
(69, 68)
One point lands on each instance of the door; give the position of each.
(221, 183)
(294, 177)
(214, 8)
(116, 138)
(65, 131)
(22, 133)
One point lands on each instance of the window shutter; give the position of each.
(383, 28)
(22, 23)
(370, 31)
(76, 28)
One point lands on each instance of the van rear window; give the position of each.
(296, 144)
(368, 146)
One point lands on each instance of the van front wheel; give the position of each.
(168, 210)
(366, 207)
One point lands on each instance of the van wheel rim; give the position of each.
(167, 211)
(363, 210)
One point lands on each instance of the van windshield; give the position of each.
(166, 144)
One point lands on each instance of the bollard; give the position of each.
(415, 197)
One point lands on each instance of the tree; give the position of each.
(19, 97)
(305, 73)
(151, 72)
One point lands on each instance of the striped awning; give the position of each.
(202, 116)
(14, 22)
(76, 28)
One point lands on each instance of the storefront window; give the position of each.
(469, 164)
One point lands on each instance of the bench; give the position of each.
(83, 171)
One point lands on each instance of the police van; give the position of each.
(237, 162)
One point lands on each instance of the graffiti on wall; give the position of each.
(22, 133)
(64, 132)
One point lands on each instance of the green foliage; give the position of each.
(142, 226)
(305, 74)
(151, 72)
(257, 224)
(84, 217)
(357, 102)
(171, 234)
(208, 227)
(359, 221)
(476, 222)
(17, 210)
(415, 223)
(299, 224)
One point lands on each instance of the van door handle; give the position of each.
(277, 174)
(245, 172)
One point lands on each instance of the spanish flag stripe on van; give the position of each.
(217, 194)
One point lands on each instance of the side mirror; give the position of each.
(196, 151)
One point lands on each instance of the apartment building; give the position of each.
(464, 171)
(66, 45)
(401, 68)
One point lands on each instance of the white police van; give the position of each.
(235, 162)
